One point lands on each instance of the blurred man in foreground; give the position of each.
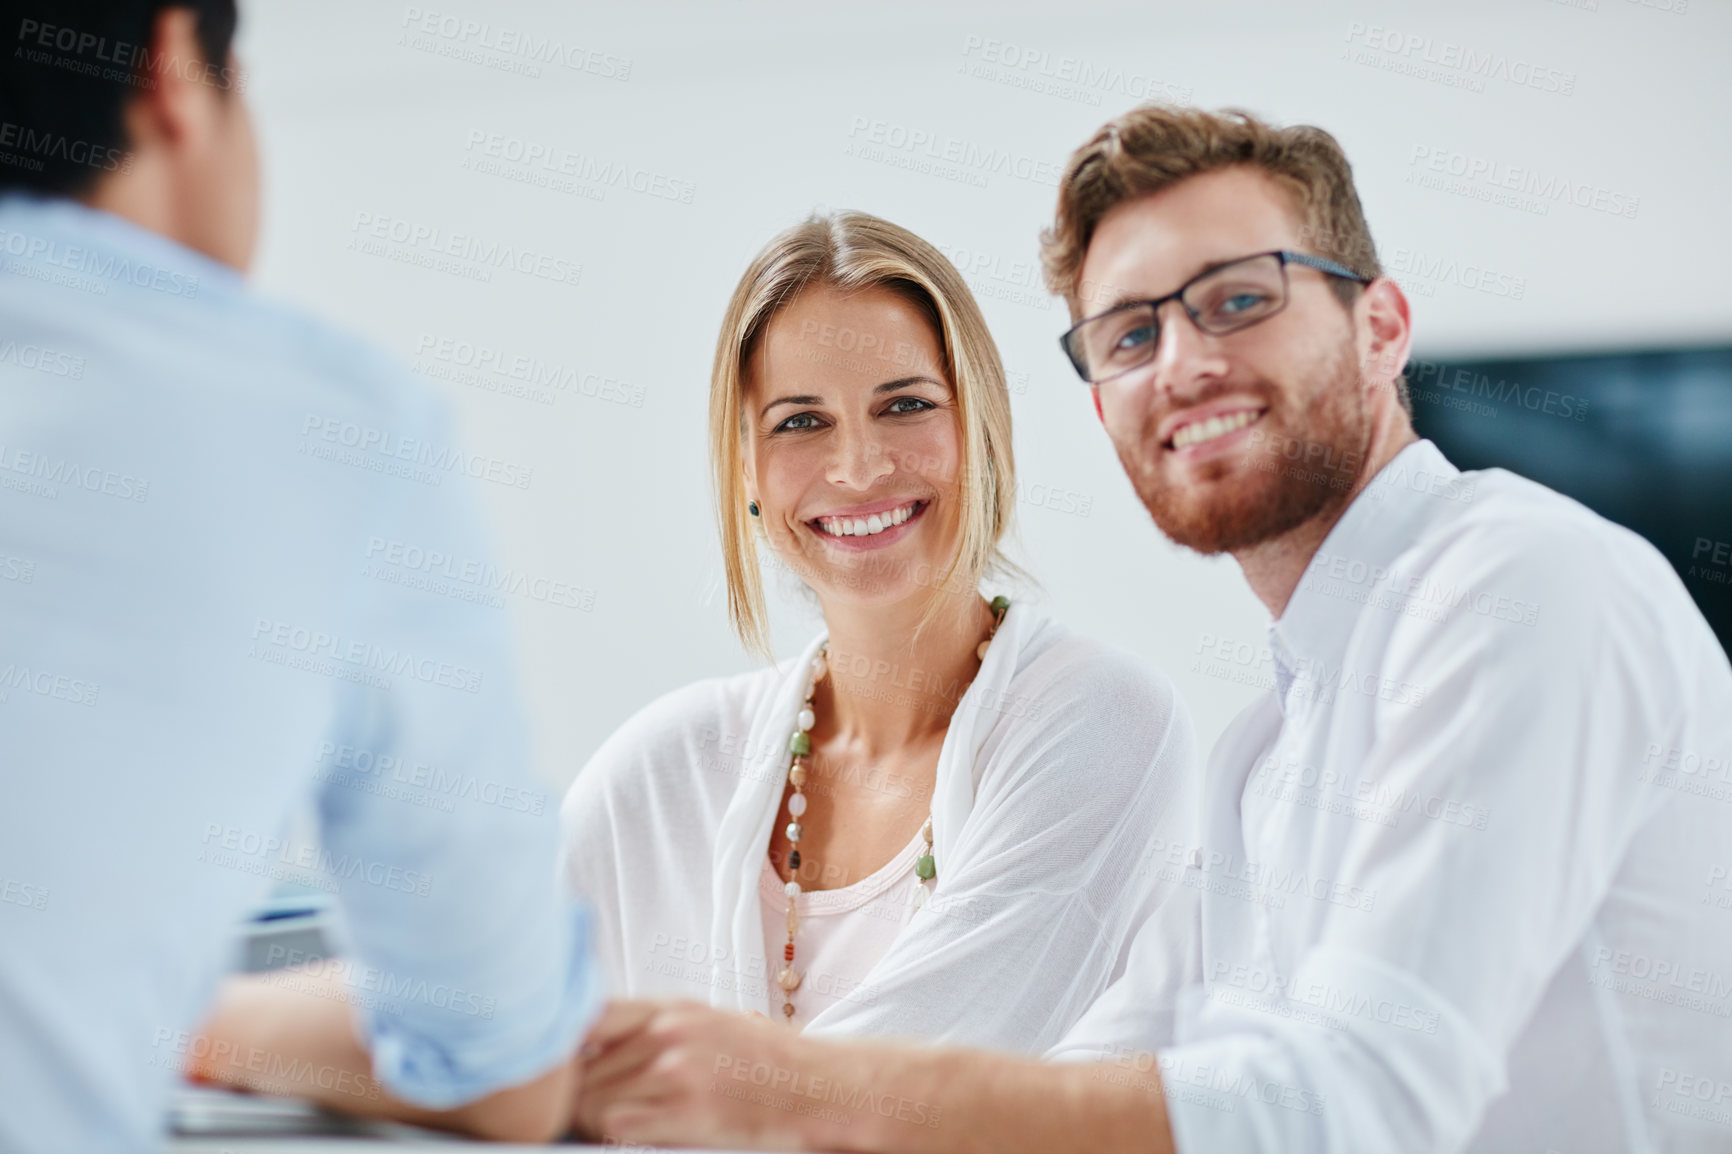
(191, 482)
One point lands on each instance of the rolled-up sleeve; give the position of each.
(470, 966)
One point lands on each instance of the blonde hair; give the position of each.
(851, 251)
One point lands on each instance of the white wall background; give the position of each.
(757, 108)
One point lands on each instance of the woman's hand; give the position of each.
(619, 1022)
(683, 1073)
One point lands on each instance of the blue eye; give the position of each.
(921, 405)
(1241, 302)
(791, 426)
(1141, 335)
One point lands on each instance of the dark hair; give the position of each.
(68, 73)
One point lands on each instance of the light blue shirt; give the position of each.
(241, 559)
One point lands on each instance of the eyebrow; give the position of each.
(1123, 298)
(886, 387)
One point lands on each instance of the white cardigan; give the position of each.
(1064, 761)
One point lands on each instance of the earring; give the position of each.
(752, 508)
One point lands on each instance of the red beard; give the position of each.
(1267, 489)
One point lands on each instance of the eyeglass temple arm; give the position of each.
(1323, 265)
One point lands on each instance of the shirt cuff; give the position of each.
(440, 1070)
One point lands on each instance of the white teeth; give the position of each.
(868, 526)
(1207, 430)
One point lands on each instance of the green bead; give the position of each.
(800, 744)
(1000, 603)
(925, 868)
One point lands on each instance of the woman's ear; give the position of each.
(1095, 395)
(749, 488)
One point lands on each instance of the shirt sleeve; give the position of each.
(471, 967)
(610, 794)
(1048, 878)
(1135, 1016)
(1394, 1029)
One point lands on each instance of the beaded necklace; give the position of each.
(800, 748)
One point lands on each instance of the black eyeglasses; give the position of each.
(1223, 299)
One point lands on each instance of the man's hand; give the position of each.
(290, 1033)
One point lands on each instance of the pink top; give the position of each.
(842, 932)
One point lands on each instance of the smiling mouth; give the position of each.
(867, 526)
(1208, 429)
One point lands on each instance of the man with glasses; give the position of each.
(1455, 872)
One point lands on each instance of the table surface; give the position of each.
(315, 1145)
(205, 1120)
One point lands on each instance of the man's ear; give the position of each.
(1095, 396)
(1384, 329)
(172, 102)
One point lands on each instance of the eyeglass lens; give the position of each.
(1228, 298)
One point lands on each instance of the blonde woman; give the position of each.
(933, 821)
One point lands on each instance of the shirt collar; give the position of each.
(76, 222)
(1347, 571)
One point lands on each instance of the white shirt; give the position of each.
(206, 615)
(842, 933)
(1462, 869)
(1060, 759)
